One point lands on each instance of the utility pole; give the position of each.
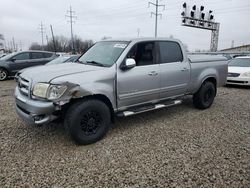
(232, 44)
(42, 31)
(157, 5)
(13, 43)
(47, 39)
(53, 38)
(138, 32)
(71, 15)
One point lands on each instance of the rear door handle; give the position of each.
(184, 69)
(152, 73)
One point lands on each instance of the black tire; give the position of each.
(204, 98)
(88, 121)
(3, 74)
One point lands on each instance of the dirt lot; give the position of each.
(175, 147)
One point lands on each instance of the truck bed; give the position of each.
(198, 58)
(202, 65)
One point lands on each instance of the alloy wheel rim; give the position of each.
(91, 122)
(208, 96)
(2, 74)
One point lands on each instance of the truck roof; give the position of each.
(142, 39)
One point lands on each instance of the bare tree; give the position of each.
(35, 46)
(63, 44)
(1, 39)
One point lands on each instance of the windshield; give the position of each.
(59, 60)
(240, 62)
(8, 56)
(104, 53)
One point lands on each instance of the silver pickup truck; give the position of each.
(117, 78)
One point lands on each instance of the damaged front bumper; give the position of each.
(34, 111)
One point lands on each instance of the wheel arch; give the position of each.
(4, 69)
(213, 80)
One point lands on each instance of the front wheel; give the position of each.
(204, 98)
(88, 121)
(3, 74)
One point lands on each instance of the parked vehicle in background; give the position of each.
(117, 78)
(64, 59)
(12, 63)
(239, 71)
(2, 55)
(61, 53)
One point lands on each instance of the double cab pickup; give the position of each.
(117, 78)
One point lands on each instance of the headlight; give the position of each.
(56, 91)
(51, 92)
(246, 74)
(40, 90)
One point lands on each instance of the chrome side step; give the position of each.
(148, 108)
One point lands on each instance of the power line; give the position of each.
(71, 15)
(42, 31)
(156, 4)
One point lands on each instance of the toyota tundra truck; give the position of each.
(117, 78)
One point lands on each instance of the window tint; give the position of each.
(22, 56)
(47, 55)
(36, 55)
(170, 52)
(142, 53)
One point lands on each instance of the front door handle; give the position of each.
(153, 73)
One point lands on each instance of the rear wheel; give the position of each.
(3, 74)
(88, 121)
(204, 98)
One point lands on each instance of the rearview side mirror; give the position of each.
(13, 59)
(129, 64)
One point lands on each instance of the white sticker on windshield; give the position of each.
(120, 45)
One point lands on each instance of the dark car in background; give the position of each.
(64, 59)
(12, 63)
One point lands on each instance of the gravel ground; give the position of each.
(175, 147)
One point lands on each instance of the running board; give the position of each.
(142, 109)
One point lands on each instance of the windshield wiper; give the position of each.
(96, 63)
(78, 61)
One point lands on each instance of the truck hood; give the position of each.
(50, 72)
(238, 70)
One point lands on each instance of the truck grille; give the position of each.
(23, 86)
(233, 74)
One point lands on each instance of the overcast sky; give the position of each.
(122, 18)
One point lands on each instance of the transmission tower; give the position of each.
(42, 31)
(156, 14)
(71, 15)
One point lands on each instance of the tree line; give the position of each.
(64, 44)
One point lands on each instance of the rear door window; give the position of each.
(170, 52)
(47, 55)
(36, 55)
